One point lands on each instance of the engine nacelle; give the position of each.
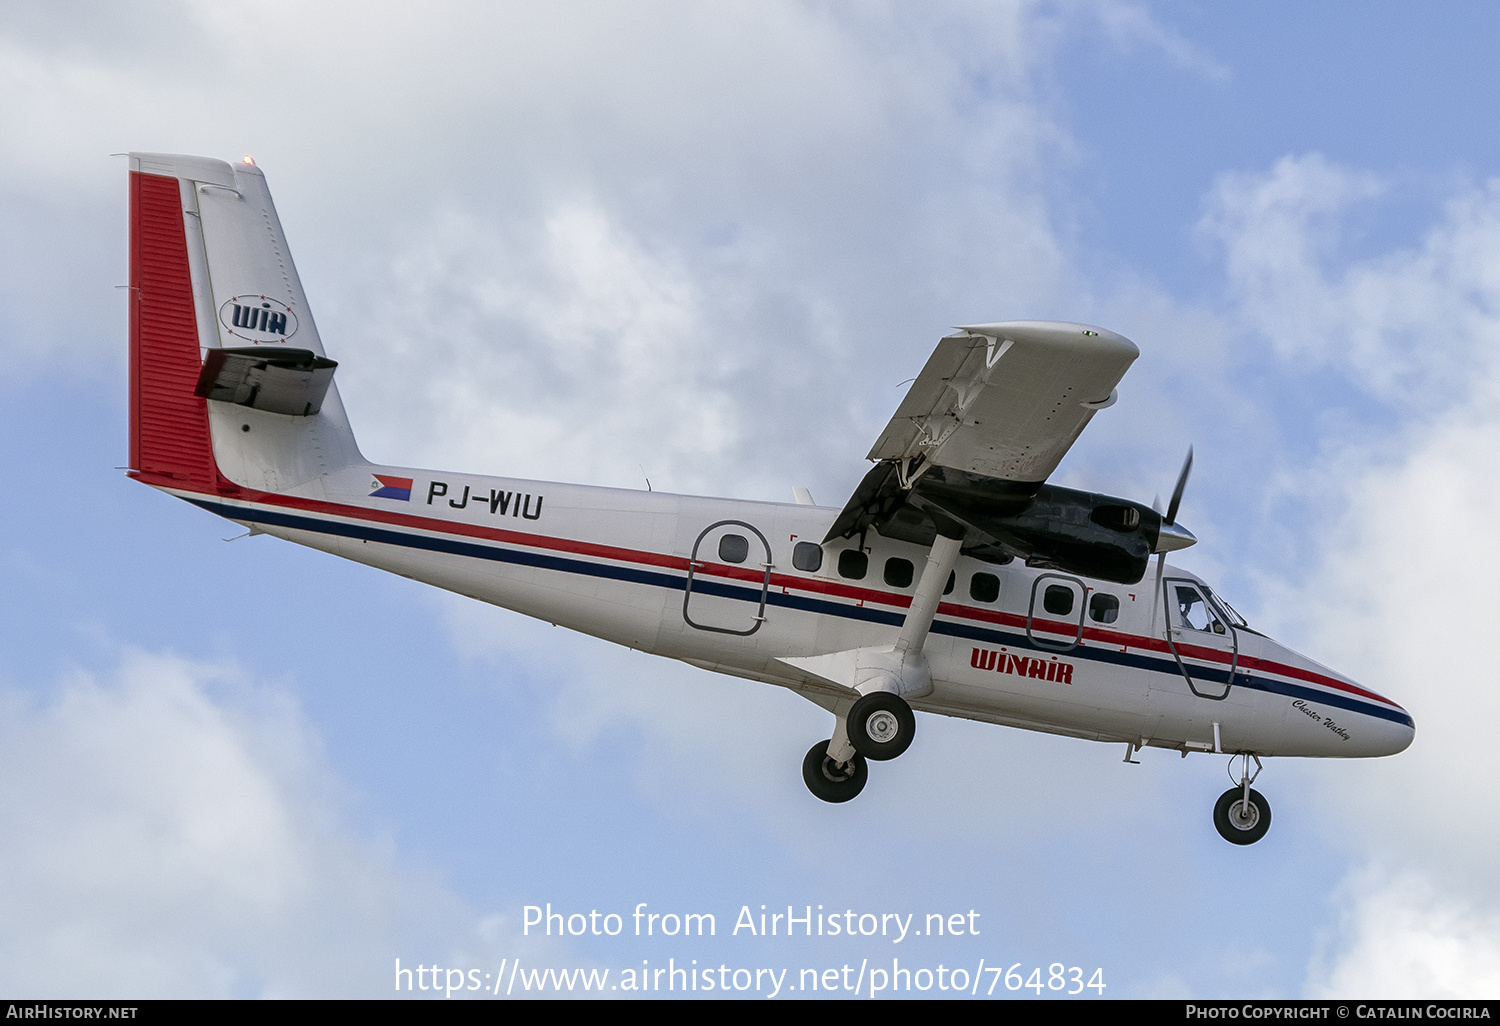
(1081, 532)
(1085, 533)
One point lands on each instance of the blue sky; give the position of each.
(705, 244)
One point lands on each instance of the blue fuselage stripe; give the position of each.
(806, 603)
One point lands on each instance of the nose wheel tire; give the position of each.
(828, 780)
(1239, 823)
(881, 726)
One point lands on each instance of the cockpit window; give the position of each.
(1194, 612)
(1229, 611)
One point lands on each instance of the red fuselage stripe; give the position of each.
(785, 582)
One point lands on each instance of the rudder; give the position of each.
(169, 435)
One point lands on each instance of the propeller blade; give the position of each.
(1171, 517)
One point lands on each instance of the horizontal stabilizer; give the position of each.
(277, 380)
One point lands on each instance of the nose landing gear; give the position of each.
(1242, 815)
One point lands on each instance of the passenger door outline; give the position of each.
(706, 588)
(1080, 601)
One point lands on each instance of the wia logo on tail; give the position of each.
(258, 319)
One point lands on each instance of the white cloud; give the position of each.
(582, 350)
(1279, 231)
(1404, 602)
(1401, 595)
(1400, 937)
(1412, 326)
(174, 831)
(1129, 25)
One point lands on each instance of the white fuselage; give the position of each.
(233, 406)
(617, 564)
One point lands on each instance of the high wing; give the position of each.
(970, 448)
(1007, 400)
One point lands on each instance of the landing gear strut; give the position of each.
(831, 781)
(1242, 815)
(879, 724)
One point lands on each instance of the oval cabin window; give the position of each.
(733, 548)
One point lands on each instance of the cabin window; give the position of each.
(733, 548)
(853, 564)
(984, 587)
(1104, 608)
(807, 557)
(952, 580)
(1058, 600)
(898, 572)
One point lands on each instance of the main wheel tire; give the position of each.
(881, 726)
(828, 780)
(1239, 823)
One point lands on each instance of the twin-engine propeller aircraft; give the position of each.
(955, 581)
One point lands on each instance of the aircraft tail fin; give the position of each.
(229, 384)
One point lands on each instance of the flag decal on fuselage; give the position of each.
(384, 486)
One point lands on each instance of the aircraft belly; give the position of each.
(613, 610)
(312, 539)
(1270, 716)
(785, 632)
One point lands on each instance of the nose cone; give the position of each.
(1368, 724)
(1329, 714)
(1391, 736)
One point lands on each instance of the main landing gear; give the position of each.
(880, 726)
(1242, 815)
(832, 781)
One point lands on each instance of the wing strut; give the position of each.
(898, 672)
(924, 603)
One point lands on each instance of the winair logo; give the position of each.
(1022, 666)
(258, 319)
